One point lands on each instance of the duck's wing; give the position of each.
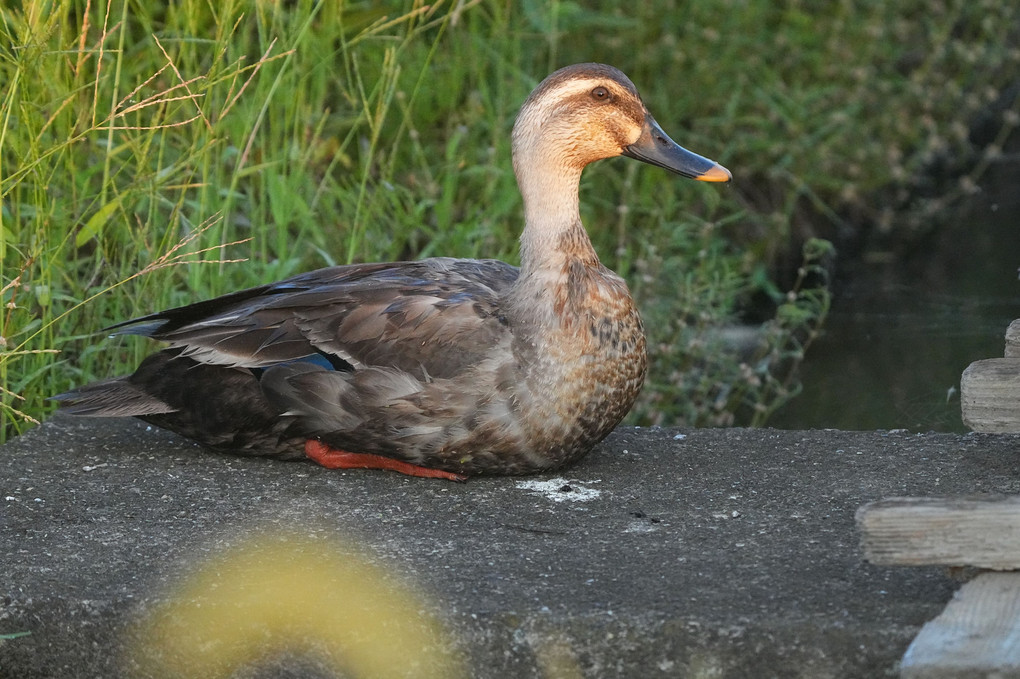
(431, 318)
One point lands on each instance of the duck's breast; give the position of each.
(585, 360)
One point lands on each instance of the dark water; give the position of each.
(899, 337)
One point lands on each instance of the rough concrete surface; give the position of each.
(681, 553)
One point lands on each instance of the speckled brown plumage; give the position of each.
(468, 366)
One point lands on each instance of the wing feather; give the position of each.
(430, 318)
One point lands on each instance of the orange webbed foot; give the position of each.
(332, 458)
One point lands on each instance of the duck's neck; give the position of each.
(552, 221)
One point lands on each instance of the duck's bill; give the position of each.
(656, 148)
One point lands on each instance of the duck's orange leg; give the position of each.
(331, 458)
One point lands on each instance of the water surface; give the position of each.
(899, 336)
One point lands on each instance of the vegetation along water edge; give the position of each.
(155, 154)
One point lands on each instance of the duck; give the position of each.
(437, 368)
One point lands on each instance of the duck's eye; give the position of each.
(600, 94)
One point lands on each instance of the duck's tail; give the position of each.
(218, 407)
(116, 397)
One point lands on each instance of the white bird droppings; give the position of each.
(561, 490)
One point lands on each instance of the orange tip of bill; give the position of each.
(716, 173)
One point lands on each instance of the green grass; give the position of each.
(144, 148)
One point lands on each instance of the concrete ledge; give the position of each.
(715, 553)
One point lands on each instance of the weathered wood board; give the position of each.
(990, 395)
(976, 636)
(979, 532)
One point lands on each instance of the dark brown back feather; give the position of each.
(406, 315)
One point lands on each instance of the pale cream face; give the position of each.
(582, 114)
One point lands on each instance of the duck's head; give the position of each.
(586, 112)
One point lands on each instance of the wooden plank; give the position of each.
(977, 635)
(1013, 340)
(981, 532)
(990, 395)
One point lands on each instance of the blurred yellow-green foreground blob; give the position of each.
(276, 595)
